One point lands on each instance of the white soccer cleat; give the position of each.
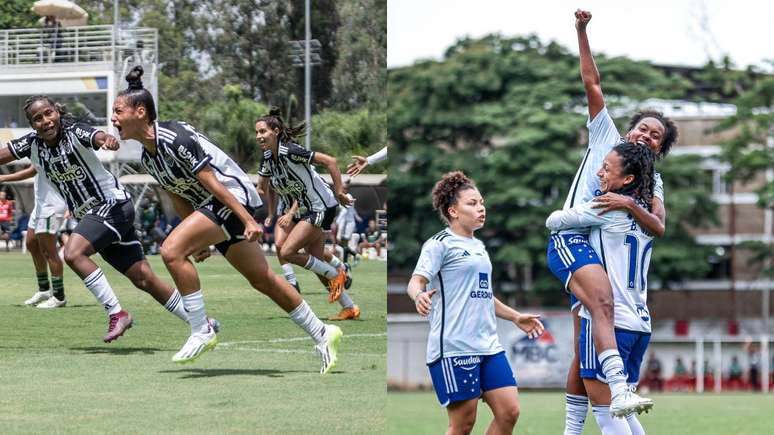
(196, 345)
(38, 297)
(329, 348)
(52, 302)
(629, 402)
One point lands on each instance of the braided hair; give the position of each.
(65, 117)
(286, 133)
(637, 160)
(670, 129)
(136, 95)
(446, 192)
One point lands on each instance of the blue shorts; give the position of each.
(631, 346)
(460, 378)
(567, 253)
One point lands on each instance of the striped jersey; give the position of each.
(181, 152)
(603, 136)
(625, 251)
(72, 167)
(292, 175)
(462, 318)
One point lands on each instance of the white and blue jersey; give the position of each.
(625, 250)
(569, 249)
(462, 318)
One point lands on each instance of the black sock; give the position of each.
(346, 254)
(43, 285)
(58, 283)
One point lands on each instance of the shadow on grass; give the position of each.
(210, 373)
(118, 350)
(66, 307)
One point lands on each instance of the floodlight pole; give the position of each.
(308, 75)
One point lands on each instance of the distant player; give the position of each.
(216, 201)
(464, 355)
(580, 271)
(6, 217)
(625, 249)
(346, 223)
(63, 151)
(291, 173)
(42, 229)
(359, 162)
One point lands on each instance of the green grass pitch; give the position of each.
(543, 413)
(57, 376)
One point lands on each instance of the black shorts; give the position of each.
(110, 230)
(225, 218)
(5, 227)
(320, 219)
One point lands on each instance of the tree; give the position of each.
(360, 76)
(510, 112)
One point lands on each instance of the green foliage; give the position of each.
(510, 113)
(230, 123)
(344, 134)
(750, 153)
(16, 14)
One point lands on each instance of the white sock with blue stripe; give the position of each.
(576, 408)
(609, 425)
(613, 368)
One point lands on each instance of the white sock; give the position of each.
(613, 368)
(175, 306)
(335, 262)
(98, 285)
(290, 274)
(321, 268)
(634, 425)
(609, 425)
(576, 408)
(345, 301)
(197, 317)
(308, 321)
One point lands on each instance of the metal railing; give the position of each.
(77, 45)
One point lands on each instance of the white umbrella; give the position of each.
(62, 9)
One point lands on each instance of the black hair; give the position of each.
(286, 133)
(136, 95)
(637, 160)
(670, 129)
(446, 192)
(65, 117)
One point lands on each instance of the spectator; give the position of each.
(653, 373)
(373, 238)
(6, 218)
(735, 374)
(754, 359)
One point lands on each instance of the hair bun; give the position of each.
(134, 78)
(274, 111)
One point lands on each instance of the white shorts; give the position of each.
(345, 231)
(47, 225)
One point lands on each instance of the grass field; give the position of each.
(543, 413)
(57, 376)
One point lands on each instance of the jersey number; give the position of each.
(636, 267)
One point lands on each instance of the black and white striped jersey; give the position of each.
(72, 167)
(181, 152)
(292, 175)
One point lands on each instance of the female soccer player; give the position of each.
(44, 223)
(63, 151)
(216, 201)
(625, 249)
(570, 257)
(465, 358)
(290, 170)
